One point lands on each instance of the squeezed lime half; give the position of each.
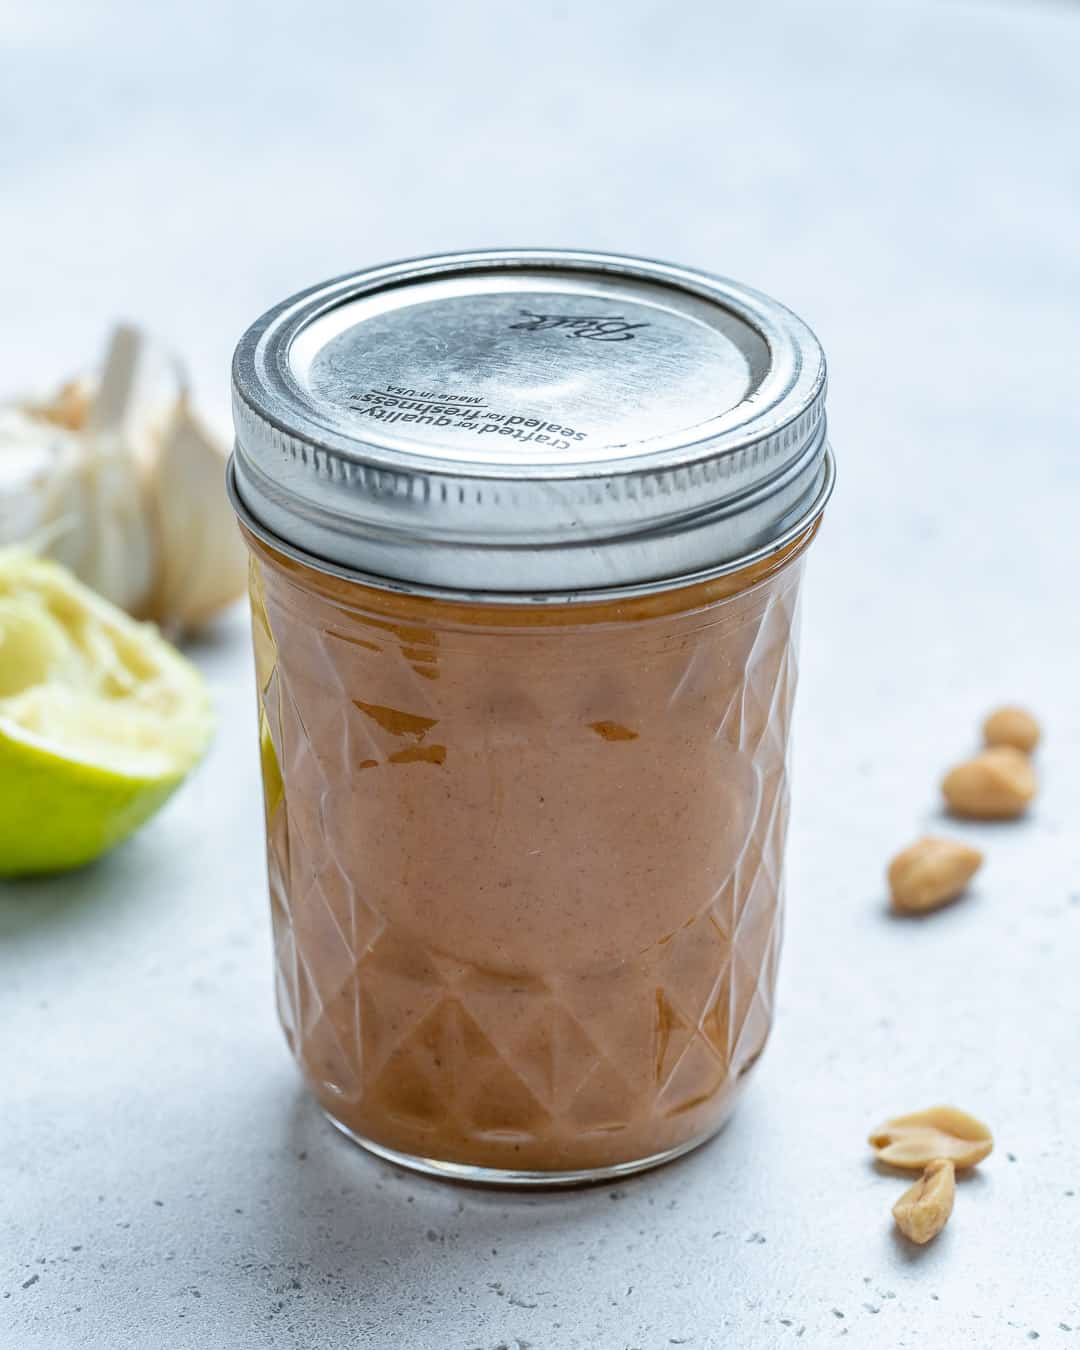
(100, 719)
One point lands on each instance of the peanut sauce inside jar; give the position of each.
(524, 696)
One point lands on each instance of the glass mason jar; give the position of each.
(524, 696)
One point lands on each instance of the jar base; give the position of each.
(509, 1178)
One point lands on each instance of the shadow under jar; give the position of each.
(526, 533)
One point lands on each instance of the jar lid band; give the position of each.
(530, 423)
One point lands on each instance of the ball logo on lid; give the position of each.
(598, 327)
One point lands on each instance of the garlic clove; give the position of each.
(114, 550)
(202, 565)
(140, 387)
(114, 402)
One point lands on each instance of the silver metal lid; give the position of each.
(529, 423)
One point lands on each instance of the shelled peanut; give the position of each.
(998, 783)
(934, 1142)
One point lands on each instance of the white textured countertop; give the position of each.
(906, 177)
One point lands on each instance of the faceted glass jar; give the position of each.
(525, 861)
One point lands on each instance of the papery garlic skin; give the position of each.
(69, 407)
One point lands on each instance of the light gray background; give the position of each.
(905, 176)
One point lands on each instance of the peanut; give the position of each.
(915, 1141)
(930, 873)
(1012, 726)
(923, 1210)
(996, 785)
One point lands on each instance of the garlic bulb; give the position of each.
(80, 500)
(122, 483)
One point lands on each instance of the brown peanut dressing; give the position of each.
(525, 862)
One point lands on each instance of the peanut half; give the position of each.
(923, 1210)
(940, 1132)
(996, 785)
(1012, 726)
(930, 873)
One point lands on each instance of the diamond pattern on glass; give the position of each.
(405, 1033)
